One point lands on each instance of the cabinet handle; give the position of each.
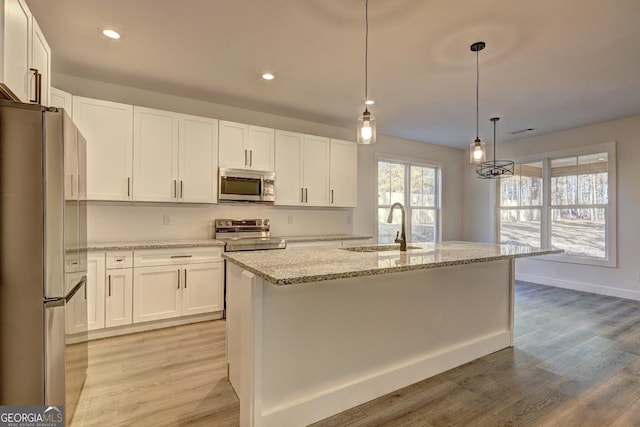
(251, 158)
(181, 190)
(109, 285)
(39, 87)
(71, 183)
(181, 256)
(331, 196)
(128, 186)
(306, 195)
(119, 259)
(85, 289)
(35, 74)
(178, 278)
(245, 157)
(301, 195)
(185, 278)
(175, 188)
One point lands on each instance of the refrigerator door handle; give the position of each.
(75, 289)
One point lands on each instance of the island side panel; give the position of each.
(331, 345)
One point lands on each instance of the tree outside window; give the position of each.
(417, 187)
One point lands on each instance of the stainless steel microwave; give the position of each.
(240, 185)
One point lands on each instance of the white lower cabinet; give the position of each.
(156, 293)
(171, 283)
(95, 291)
(119, 289)
(202, 291)
(76, 315)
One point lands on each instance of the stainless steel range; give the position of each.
(246, 235)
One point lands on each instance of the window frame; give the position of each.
(611, 258)
(408, 162)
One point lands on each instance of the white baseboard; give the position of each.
(579, 286)
(309, 409)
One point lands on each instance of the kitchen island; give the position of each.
(316, 331)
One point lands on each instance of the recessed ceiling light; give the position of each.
(112, 34)
(267, 76)
(369, 102)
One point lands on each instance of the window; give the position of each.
(521, 206)
(579, 187)
(417, 187)
(564, 201)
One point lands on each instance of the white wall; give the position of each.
(110, 221)
(620, 281)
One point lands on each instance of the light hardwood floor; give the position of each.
(576, 362)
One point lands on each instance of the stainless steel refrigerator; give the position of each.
(43, 350)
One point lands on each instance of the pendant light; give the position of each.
(366, 122)
(495, 169)
(477, 149)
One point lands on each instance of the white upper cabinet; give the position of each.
(343, 173)
(175, 157)
(243, 146)
(40, 76)
(16, 39)
(302, 169)
(315, 170)
(288, 185)
(198, 159)
(261, 148)
(155, 154)
(61, 99)
(25, 56)
(108, 129)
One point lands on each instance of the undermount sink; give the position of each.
(377, 248)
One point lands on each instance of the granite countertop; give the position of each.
(153, 244)
(318, 264)
(323, 238)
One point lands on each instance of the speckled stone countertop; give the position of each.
(153, 244)
(317, 264)
(323, 238)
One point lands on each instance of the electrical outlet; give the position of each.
(290, 219)
(166, 219)
(348, 219)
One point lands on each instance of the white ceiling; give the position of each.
(548, 65)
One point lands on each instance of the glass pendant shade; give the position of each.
(477, 152)
(366, 128)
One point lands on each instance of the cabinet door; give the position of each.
(41, 61)
(156, 293)
(95, 290)
(288, 168)
(315, 170)
(17, 38)
(108, 129)
(155, 155)
(202, 290)
(198, 160)
(71, 191)
(343, 173)
(119, 297)
(261, 147)
(76, 309)
(231, 149)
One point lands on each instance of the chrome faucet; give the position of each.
(402, 239)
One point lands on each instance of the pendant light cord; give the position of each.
(494, 140)
(477, 96)
(366, 50)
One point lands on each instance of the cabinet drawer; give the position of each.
(120, 259)
(151, 257)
